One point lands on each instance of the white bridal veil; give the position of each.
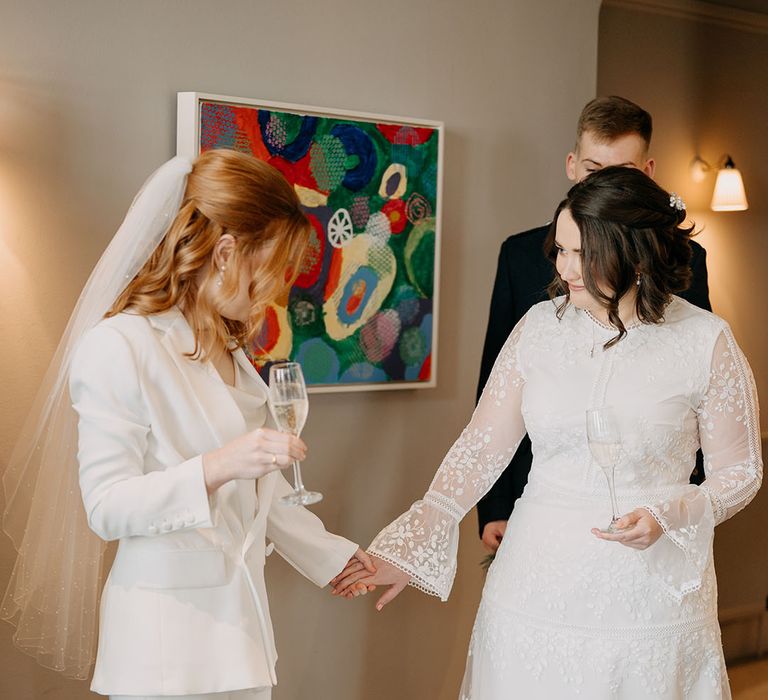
(52, 597)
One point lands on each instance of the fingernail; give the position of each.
(379, 607)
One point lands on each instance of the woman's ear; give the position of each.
(223, 250)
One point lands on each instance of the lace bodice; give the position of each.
(676, 385)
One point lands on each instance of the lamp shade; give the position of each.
(729, 194)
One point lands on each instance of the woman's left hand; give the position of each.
(639, 530)
(359, 566)
(386, 574)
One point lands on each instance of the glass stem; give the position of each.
(612, 491)
(298, 484)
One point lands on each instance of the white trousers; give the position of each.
(247, 694)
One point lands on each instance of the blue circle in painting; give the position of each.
(298, 148)
(356, 294)
(412, 372)
(408, 309)
(364, 372)
(318, 361)
(426, 331)
(357, 143)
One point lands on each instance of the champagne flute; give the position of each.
(290, 406)
(604, 441)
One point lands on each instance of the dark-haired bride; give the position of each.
(569, 609)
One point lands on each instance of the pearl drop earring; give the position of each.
(221, 275)
(637, 282)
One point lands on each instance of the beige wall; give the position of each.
(705, 85)
(87, 109)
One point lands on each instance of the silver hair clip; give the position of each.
(676, 201)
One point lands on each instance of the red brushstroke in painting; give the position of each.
(297, 173)
(270, 332)
(334, 274)
(356, 298)
(395, 211)
(312, 264)
(413, 136)
(247, 121)
(426, 369)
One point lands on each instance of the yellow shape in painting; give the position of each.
(394, 182)
(367, 274)
(311, 198)
(276, 335)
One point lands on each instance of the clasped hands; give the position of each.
(363, 573)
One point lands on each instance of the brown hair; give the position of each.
(608, 118)
(628, 227)
(226, 192)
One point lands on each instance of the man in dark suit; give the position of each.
(610, 131)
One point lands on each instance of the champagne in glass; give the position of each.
(290, 406)
(291, 415)
(604, 441)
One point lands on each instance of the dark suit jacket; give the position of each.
(521, 281)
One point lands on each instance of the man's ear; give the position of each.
(570, 166)
(650, 167)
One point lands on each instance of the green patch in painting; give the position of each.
(413, 346)
(420, 256)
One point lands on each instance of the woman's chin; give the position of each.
(579, 297)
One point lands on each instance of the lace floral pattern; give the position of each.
(424, 540)
(556, 618)
(728, 427)
(512, 650)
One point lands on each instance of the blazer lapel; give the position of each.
(245, 364)
(218, 411)
(220, 419)
(265, 486)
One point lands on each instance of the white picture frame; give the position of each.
(405, 292)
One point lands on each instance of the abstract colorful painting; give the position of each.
(362, 313)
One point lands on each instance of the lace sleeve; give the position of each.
(730, 440)
(423, 541)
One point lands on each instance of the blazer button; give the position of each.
(269, 549)
(166, 526)
(189, 520)
(152, 530)
(178, 523)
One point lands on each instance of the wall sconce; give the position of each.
(729, 194)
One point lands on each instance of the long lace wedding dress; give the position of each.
(563, 613)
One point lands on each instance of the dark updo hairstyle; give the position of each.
(628, 226)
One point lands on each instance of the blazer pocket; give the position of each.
(172, 568)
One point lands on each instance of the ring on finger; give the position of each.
(274, 459)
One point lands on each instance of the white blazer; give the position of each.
(184, 609)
